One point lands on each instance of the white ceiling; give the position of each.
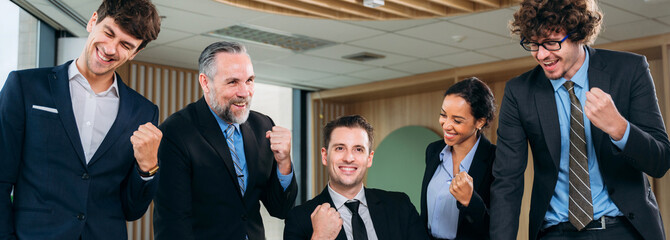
(410, 46)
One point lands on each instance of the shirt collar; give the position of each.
(447, 161)
(339, 200)
(223, 124)
(579, 78)
(75, 75)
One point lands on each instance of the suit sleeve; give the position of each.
(295, 228)
(476, 213)
(508, 170)
(415, 227)
(12, 127)
(276, 200)
(172, 205)
(648, 148)
(138, 193)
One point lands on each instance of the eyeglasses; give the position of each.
(549, 45)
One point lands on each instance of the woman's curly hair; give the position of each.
(539, 18)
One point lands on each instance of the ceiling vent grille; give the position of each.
(364, 56)
(293, 42)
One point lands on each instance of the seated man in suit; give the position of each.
(219, 158)
(77, 145)
(345, 209)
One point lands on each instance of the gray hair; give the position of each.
(206, 62)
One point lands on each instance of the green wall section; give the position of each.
(399, 162)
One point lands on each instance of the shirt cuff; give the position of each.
(621, 144)
(285, 180)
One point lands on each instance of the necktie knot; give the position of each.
(353, 206)
(569, 85)
(230, 131)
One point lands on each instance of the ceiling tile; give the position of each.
(191, 22)
(167, 35)
(319, 28)
(393, 25)
(336, 81)
(445, 33)
(494, 22)
(406, 46)
(635, 30)
(319, 64)
(337, 51)
(420, 66)
(665, 19)
(195, 43)
(464, 59)
(642, 8)
(288, 74)
(174, 56)
(614, 16)
(601, 40)
(377, 74)
(509, 51)
(212, 8)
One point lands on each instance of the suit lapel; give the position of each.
(600, 79)
(60, 91)
(377, 214)
(480, 162)
(212, 133)
(324, 197)
(545, 104)
(121, 123)
(250, 152)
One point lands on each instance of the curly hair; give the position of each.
(478, 95)
(138, 18)
(539, 18)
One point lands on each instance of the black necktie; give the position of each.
(357, 225)
(580, 207)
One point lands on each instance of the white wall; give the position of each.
(9, 39)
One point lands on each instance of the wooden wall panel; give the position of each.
(171, 89)
(323, 113)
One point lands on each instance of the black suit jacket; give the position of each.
(392, 213)
(528, 115)
(473, 220)
(199, 197)
(57, 195)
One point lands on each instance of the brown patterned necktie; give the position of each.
(580, 206)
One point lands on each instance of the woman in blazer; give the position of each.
(455, 189)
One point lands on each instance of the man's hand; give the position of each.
(326, 222)
(145, 142)
(602, 112)
(280, 143)
(461, 188)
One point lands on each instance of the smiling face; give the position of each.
(347, 158)
(459, 127)
(229, 94)
(560, 63)
(107, 48)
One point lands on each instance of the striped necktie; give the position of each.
(230, 131)
(580, 207)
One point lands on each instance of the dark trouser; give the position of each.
(615, 228)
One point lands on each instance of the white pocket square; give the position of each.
(47, 109)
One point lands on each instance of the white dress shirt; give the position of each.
(345, 213)
(94, 113)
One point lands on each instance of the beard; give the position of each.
(224, 112)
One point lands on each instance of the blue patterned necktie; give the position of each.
(230, 131)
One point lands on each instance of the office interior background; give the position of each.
(319, 59)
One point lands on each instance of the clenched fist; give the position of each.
(602, 112)
(326, 222)
(280, 143)
(461, 188)
(145, 142)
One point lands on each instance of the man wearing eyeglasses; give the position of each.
(594, 127)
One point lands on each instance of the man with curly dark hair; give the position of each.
(595, 130)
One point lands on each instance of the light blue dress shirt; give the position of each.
(442, 210)
(284, 180)
(602, 204)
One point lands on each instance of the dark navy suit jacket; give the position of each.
(56, 194)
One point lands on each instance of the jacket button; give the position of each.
(81, 217)
(85, 176)
(631, 216)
